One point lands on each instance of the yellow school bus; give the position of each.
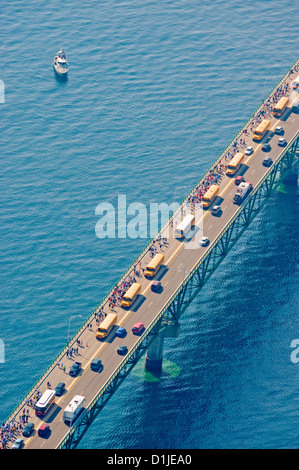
(261, 129)
(280, 106)
(106, 326)
(130, 295)
(235, 163)
(209, 196)
(154, 265)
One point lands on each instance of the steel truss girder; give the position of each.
(191, 285)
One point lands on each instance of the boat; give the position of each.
(60, 63)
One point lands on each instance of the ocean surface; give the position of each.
(156, 90)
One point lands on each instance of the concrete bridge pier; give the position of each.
(154, 354)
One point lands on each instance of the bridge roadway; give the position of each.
(179, 262)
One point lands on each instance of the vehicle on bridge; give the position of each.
(106, 326)
(154, 265)
(295, 83)
(75, 369)
(282, 142)
(45, 402)
(28, 429)
(122, 350)
(18, 444)
(130, 295)
(242, 191)
(267, 161)
(216, 210)
(266, 147)
(209, 196)
(280, 107)
(44, 430)
(239, 180)
(204, 241)
(249, 150)
(96, 365)
(235, 163)
(121, 332)
(138, 328)
(279, 130)
(184, 226)
(261, 129)
(59, 389)
(73, 409)
(156, 286)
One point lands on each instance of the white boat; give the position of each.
(60, 63)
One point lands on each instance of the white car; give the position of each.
(204, 241)
(282, 142)
(279, 130)
(249, 151)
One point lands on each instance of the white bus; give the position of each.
(183, 228)
(45, 402)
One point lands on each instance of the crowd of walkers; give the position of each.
(13, 429)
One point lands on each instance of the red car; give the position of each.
(44, 430)
(138, 328)
(239, 179)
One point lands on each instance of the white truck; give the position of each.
(73, 409)
(243, 190)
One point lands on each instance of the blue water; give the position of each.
(156, 90)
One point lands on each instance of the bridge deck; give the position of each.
(178, 263)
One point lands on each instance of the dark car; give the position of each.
(121, 332)
(59, 389)
(122, 350)
(96, 365)
(239, 179)
(28, 429)
(156, 286)
(267, 161)
(44, 430)
(75, 369)
(266, 147)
